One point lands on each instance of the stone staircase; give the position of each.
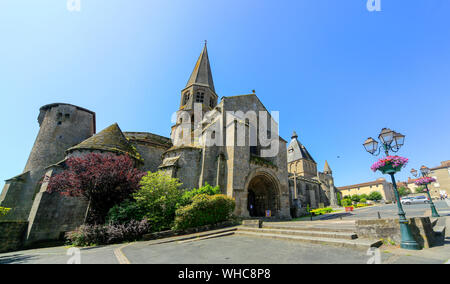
(323, 233)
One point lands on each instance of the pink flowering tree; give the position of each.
(104, 179)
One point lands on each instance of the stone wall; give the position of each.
(389, 230)
(52, 215)
(12, 235)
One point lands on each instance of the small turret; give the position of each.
(327, 170)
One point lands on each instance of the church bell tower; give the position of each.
(199, 90)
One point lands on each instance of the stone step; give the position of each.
(225, 234)
(354, 244)
(196, 236)
(316, 228)
(319, 234)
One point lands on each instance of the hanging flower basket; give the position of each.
(424, 181)
(390, 164)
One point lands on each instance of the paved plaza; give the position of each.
(237, 249)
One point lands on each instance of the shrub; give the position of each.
(4, 211)
(204, 210)
(187, 197)
(375, 196)
(125, 212)
(420, 189)
(403, 191)
(347, 202)
(88, 235)
(355, 198)
(158, 199)
(363, 200)
(322, 211)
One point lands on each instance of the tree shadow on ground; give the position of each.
(15, 258)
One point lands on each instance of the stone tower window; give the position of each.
(211, 103)
(59, 118)
(200, 97)
(186, 98)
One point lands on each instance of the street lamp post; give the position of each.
(393, 141)
(425, 172)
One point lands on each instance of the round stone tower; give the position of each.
(61, 126)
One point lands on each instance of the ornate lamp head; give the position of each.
(371, 145)
(386, 136)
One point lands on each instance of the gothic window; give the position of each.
(211, 103)
(200, 97)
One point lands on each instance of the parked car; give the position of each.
(415, 200)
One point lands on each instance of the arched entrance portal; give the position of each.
(263, 195)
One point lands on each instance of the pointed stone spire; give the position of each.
(202, 74)
(327, 169)
(297, 150)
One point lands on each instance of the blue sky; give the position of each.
(336, 72)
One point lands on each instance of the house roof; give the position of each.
(377, 182)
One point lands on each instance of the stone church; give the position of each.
(211, 142)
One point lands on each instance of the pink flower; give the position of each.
(424, 181)
(395, 161)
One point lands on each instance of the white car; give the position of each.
(415, 200)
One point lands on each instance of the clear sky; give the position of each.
(336, 72)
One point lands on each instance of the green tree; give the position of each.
(158, 198)
(420, 189)
(375, 196)
(356, 198)
(346, 202)
(364, 196)
(403, 191)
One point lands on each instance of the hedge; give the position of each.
(204, 210)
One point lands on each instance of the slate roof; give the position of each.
(110, 139)
(202, 74)
(297, 151)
